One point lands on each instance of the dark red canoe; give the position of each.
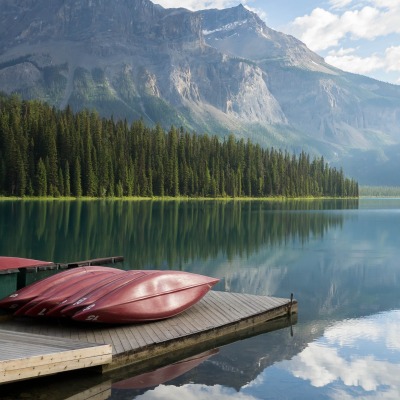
(26, 294)
(156, 295)
(17, 263)
(40, 305)
(86, 296)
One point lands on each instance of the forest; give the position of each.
(50, 152)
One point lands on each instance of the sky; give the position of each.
(360, 36)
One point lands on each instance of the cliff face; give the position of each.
(216, 71)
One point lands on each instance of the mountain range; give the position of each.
(211, 71)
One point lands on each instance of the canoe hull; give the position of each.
(157, 295)
(90, 296)
(71, 304)
(26, 294)
(40, 305)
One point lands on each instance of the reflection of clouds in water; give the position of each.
(263, 273)
(322, 366)
(382, 328)
(255, 280)
(357, 358)
(193, 392)
(335, 357)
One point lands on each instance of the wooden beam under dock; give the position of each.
(94, 261)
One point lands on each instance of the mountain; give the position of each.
(215, 71)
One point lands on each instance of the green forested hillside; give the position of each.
(47, 152)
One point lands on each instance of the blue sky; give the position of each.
(360, 36)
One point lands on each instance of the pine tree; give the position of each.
(41, 179)
(67, 181)
(77, 191)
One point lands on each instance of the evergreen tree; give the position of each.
(41, 179)
(67, 181)
(77, 178)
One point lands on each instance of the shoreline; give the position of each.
(178, 198)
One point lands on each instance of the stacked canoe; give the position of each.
(109, 295)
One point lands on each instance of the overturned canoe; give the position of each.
(71, 305)
(26, 294)
(40, 305)
(156, 295)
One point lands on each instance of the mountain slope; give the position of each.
(353, 120)
(217, 71)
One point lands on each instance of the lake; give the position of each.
(341, 259)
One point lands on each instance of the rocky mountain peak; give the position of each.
(242, 33)
(218, 71)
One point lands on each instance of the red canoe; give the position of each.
(83, 298)
(40, 305)
(17, 262)
(26, 294)
(156, 295)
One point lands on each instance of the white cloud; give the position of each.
(354, 23)
(393, 58)
(348, 61)
(319, 24)
(324, 29)
(339, 3)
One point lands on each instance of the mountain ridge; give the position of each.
(215, 71)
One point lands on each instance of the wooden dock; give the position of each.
(25, 356)
(43, 266)
(219, 318)
(94, 261)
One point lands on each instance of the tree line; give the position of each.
(380, 191)
(50, 152)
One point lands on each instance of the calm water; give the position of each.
(340, 259)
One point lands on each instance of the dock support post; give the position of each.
(290, 304)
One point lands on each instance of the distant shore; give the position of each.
(178, 198)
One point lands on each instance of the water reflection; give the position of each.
(341, 263)
(193, 391)
(357, 354)
(159, 234)
(164, 374)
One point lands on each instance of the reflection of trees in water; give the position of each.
(158, 233)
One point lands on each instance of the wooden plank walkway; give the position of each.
(25, 356)
(94, 261)
(219, 317)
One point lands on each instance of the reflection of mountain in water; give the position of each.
(157, 234)
(339, 264)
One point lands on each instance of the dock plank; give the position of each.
(30, 355)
